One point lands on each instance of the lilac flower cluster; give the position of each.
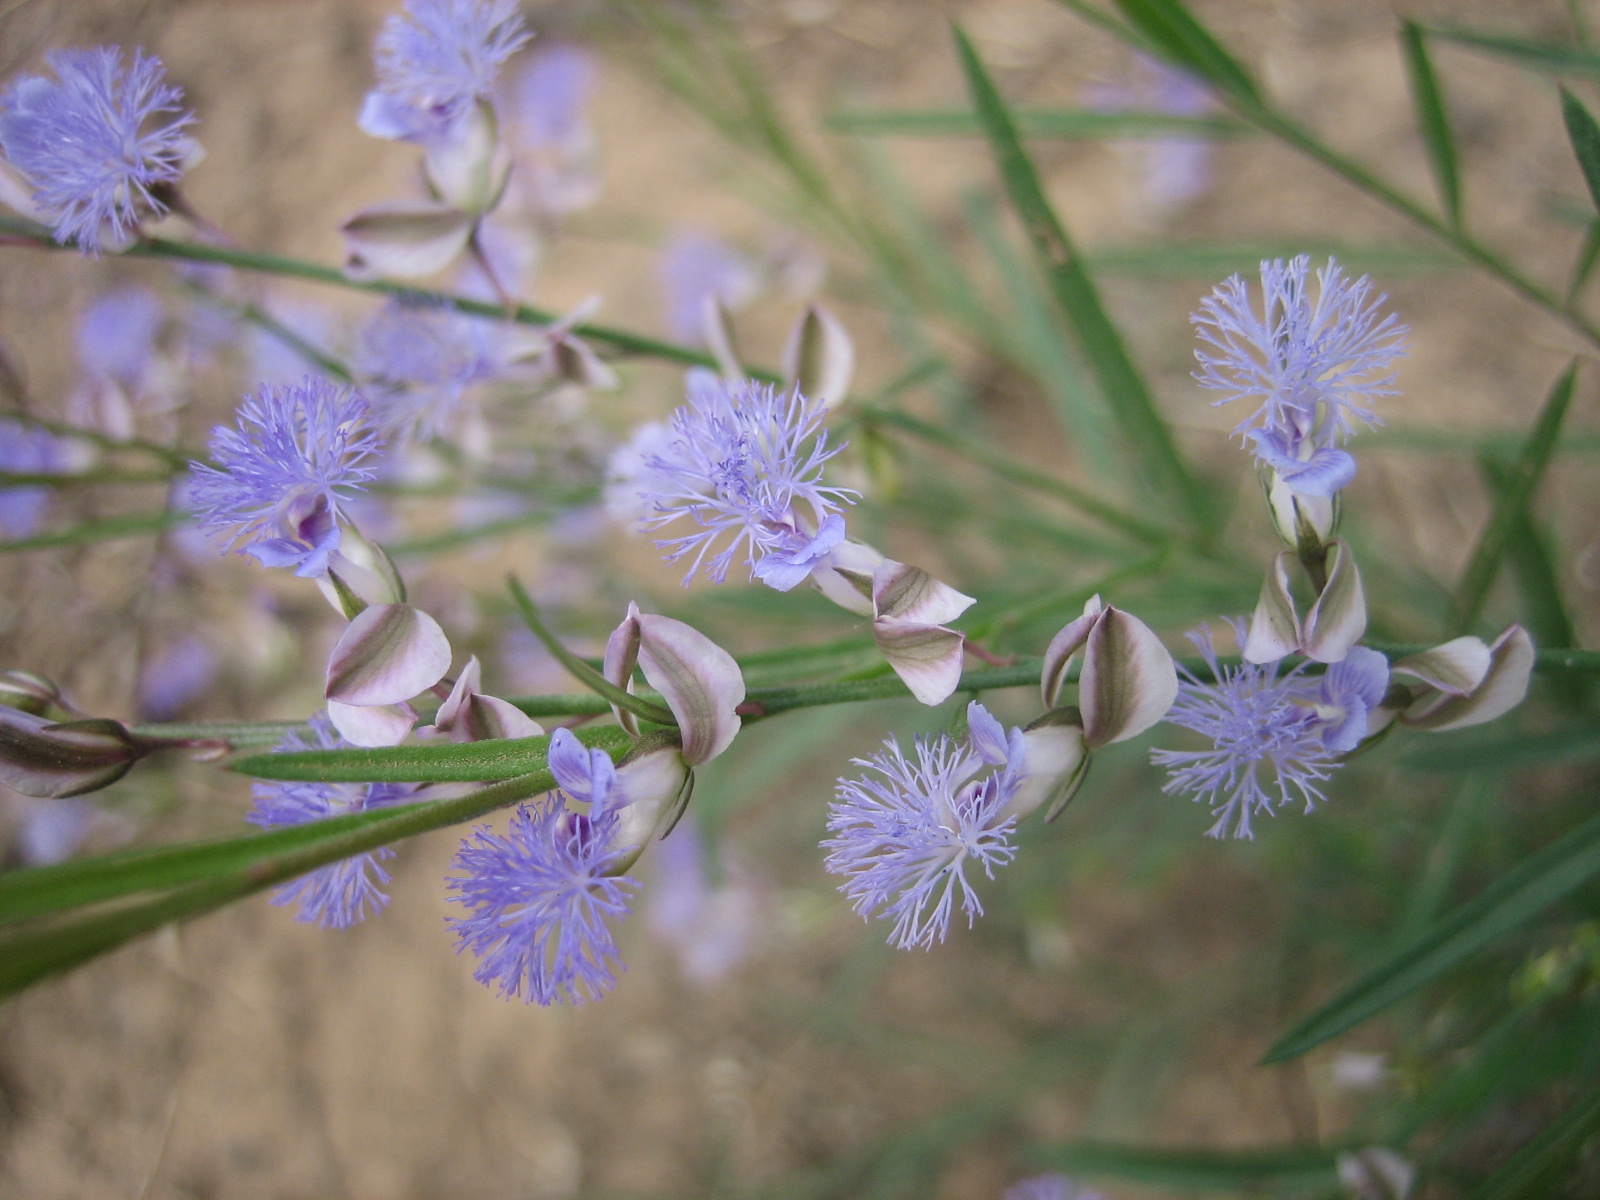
(98, 143)
(541, 894)
(342, 893)
(1315, 360)
(1275, 737)
(280, 478)
(905, 832)
(744, 462)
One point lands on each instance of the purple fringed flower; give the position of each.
(1314, 364)
(418, 363)
(1275, 738)
(25, 450)
(280, 477)
(905, 832)
(340, 894)
(97, 143)
(540, 898)
(744, 461)
(435, 60)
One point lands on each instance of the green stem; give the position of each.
(767, 702)
(619, 340)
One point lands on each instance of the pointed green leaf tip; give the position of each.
(1433, 121)
(1585, 137)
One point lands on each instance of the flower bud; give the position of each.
(698, 679)
(654, 785)
(1301, 520)
(1335, 623)
(468, 715)
(1128, 679)
(389, 654)
(909, 610)
(819, 358)
(405, 239)
(372, 724)
(1055, 763)
(52, 759)
(1501, 687)
(467, 169)
(29, 692)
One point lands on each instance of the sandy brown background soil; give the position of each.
(246, 1056)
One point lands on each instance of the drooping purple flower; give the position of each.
(695, 267)
(744, 462)
(418, 363)
(906, 831)
(98, 143)
(1274, 738)
(1313, 359)
(281, 476)
(540, 898)
(25, 450)
(342, 893)
(435, 60)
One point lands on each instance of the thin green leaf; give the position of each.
(1076, 123)
(1514, 498)
(1474, 751)
(1039, 339)
(1168, 26)
(1209, 260)
(1511, 901)
(1103, 347)
(1433, 121)
(1549, 57)
(39, 948)
(1536, 1169)
(108, 530)
(44, 890)
(582, 671)
(1584, 135)
(1583, 265)
(466, 762)
(1200, 1170)
(1543, 607)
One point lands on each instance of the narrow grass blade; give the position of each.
(582, 671)
(1040, 340)
(108, 530)
(1211, 260)
(1584, 135)
(1514, 498)
(1549, 57)
(1536, 1169)
(1289, 1168)
(1511, 901)
(1433, 121)
(1544, 610)
(1170, 27)
(467, 762)
(239, 867)
(1103, 347)
(1084, 124)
